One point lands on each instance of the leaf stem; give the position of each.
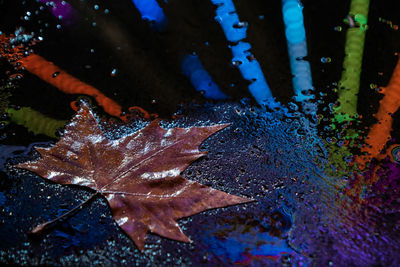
(38, 229)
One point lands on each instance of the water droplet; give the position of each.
(113, 73)
(55, 74)
(240, 24)
(218, 19)
(236, 63)
(16, 76)
(106, 11)
(250, 58)
(96, 7)
(326, 59)
(396, 154)
(293, 106)
(58, 26)
(338, 28)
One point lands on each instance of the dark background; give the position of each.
(148, 62)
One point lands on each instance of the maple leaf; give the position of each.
(139, 174)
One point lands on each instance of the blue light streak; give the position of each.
(200, 79)
(151, 11)
(235, 32)
(297, 49)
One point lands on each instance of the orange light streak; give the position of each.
(379, 133)
(50, 73)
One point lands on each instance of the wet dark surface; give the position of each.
(91, 233)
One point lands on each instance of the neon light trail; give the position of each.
(235, 33)
(151, 11)
(35, 122)
(200, 79)
(349, 84)
(55, 76)
(297, 48)
(379, 134)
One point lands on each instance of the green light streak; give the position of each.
(349, 84)
(35, 121)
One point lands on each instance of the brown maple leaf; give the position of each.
(139, 174)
